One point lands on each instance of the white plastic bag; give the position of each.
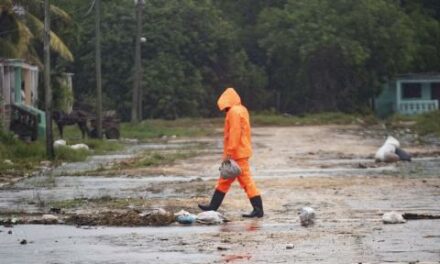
(393, 218)
(387, 152)
(210, 218)
(229, 169)
(306, 216)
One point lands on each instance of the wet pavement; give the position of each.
(294, 167)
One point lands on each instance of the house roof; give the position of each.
(426, 76)
(17, 63)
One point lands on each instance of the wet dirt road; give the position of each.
(329, 168)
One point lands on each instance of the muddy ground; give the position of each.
(329, 168)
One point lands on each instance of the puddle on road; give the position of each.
(240, 242)
(98, 161)
(27, 194)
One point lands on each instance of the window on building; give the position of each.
(411, 90)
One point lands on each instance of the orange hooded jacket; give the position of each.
(237, 131)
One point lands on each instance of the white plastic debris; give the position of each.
(49, 217)
(307, 216)
(387, 152)
(59, 143)
(8, 162)
(229, 169)
(80, 146)
(210, 218)
(156, 211)
(185, 218)
(393, 218)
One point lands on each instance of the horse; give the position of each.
(75, 117)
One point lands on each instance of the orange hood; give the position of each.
(228, 98)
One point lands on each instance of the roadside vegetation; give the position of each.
(326, 118)
(424, 124)
(18, 157)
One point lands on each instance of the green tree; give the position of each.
(21, 30)
(333, 55)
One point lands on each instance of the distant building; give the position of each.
(19, 97)
(409, 94)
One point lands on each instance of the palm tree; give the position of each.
(21, 29)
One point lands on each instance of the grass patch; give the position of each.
(154, 158)
(68, 154)
(104, 201)
(337, 118)
(428, 123)
(424, 124)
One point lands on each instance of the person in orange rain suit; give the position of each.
(237, 146)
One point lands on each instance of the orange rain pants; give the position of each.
(245, 180)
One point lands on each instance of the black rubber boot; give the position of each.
(216, 201)
(257, 203)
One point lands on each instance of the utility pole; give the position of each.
(137, 82)
(47, 88)
(98, 69)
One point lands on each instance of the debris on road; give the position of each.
(124, 218)
(307, 216)
(185, 218)
(210, 218)
(59, 143)
(49, 219)
(80, 146)
(387, 152)
(290, 246)
(23, 242)
(393, 218)
(391, 152)
(414, 216)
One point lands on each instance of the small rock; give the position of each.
(10, 232)
(23, 242)
(290, 246)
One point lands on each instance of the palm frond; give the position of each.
(55, 42)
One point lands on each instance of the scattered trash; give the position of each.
(387, 153)
(307, 216)
(413, 216)
(221, 248)
(185, 218)
(8, 162)
(59, 143)
(229, 169)
(393, 218)
(210, 218)
(49, 219)
(23, 242)
(55, 210)
(157, 217)
(391, 152)
(45, 163)
(80, 146)
(290, 246)
(403, 155)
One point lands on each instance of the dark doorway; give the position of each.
(435, 92)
